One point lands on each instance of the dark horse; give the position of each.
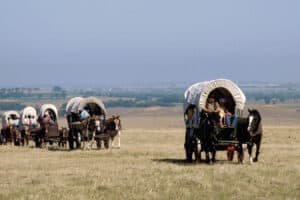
(249, 131)
(10, 134)
(255, 132)
(202, 137)
(208, 131)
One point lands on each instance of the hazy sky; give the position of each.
(97, 42)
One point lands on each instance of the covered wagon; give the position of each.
(29, 118)
(196, 100)
(79, 112)
(28, 123)
(9, 118)
(48, 120)
(10, 123)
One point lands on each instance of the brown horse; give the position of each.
(112, 127)
(25, 135)
(88, 128)
(11, 134)
(63, 137)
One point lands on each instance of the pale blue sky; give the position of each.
(97, 42)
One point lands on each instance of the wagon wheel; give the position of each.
(106, 143)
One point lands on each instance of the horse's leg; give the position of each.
(78, 139)
(27, 140)
(198, 150)
(13, 139)
(240, 153)
(250, 147)
(214, 152)
(258, 142)
(119, 139)
(206, 149)
(112, 139)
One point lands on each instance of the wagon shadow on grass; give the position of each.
(184, 162)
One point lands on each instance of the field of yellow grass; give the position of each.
(150, 164)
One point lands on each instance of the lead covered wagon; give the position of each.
(196, 99)
(81, 115)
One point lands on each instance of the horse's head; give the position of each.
(254, 120)
(113, 123)
(117, 122)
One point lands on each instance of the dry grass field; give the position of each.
(150, 164)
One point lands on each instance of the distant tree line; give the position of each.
(273, 97)
(141, 97)
(32, 93)
(11, 106)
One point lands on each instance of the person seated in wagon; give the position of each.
(84, 114)
(211, 106)
(47, 119)
(227, 119)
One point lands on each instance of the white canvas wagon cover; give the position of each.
(93, 104)
(197, 94)
(72, 105)
(10, 114)
(29, 111)
(49, 107)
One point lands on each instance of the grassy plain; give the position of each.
(150, 164)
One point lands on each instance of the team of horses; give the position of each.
(83, 133)
(89, 132)
(205, 138)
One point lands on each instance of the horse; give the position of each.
(6, 135)
(25, 135)
(192, 144)
(249, 131)
(17, 136)
(208, 130)
(63, 137)
(256, 132)
(111, 129)
(88, 132)
(11, 134)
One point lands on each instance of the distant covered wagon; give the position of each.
(10, 122)
(196, 99)
(79, 113)
(48, 120)
(29, 118)
(28, 123)
(9, 118)
(51, 110)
